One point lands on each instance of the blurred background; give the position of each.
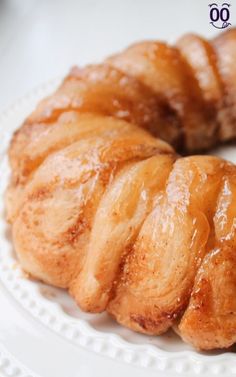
(42, 39)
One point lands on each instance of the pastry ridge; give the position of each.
(102, 205)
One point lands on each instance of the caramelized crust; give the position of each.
(210, 319)
(124, 207)
(225, 48)
(100, 206)
(54, 215)
(159, 272)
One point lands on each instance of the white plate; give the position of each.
(56, 310)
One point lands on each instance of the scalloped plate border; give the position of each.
(50, 314)
(10, 367)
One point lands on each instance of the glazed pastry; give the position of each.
(101, 204)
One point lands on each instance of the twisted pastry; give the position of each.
(102, 207)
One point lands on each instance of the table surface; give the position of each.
(40, 40)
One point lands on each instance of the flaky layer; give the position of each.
(100, 206)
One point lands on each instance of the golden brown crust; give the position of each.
(126, 203)
(160, 271)
(53, 218)
(225, 48)
(101, 207)
(210, 319)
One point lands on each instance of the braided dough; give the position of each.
(102, 205)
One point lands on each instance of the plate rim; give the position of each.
(78, 331)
